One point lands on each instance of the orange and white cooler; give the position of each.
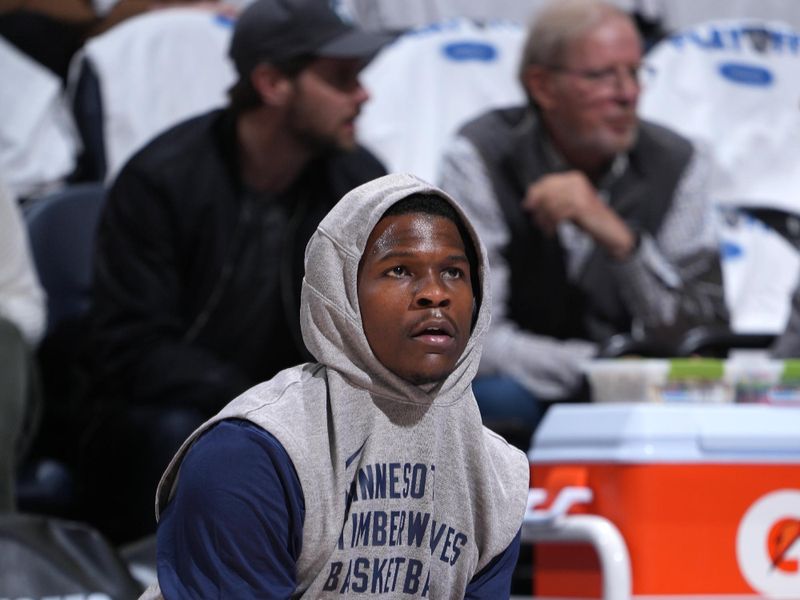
(706, 497)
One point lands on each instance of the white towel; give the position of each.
(38, 141)
(432, 80)
(155, 70)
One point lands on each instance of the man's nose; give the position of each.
(360, 93)
(627, 84)
(432, 292)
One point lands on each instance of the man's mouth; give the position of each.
(622, 123)
(439, 333)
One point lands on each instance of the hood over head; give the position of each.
(330, 313)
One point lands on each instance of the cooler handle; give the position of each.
(555, 525)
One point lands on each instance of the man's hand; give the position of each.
(570, 196)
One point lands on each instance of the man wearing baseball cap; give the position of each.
(199, 254)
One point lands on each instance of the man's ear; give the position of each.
(538, 83)
(273, 86)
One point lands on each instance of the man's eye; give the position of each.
(601, 74)
(398, 271)
(453, 273)
(344, 80)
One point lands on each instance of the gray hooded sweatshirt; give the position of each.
(390, 471)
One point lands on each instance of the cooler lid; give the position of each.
(642, 433)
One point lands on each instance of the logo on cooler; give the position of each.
(768, 545)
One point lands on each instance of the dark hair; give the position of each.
(437, 206)
(243, 96)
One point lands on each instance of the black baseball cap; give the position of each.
(276, 31)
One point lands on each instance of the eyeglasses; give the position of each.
(607, 78)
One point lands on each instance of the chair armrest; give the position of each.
(623, 344)
(717, 342)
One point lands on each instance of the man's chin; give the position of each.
(622, 140)
(424, 379)
(347, 143)
(327, 144)
(611, 146)
(342, 145)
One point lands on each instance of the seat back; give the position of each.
(37, 141)
(732, 86)
(432, 80)
(152, 71)
(760, 267)
(61, 230)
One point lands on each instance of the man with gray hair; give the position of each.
(596, 221)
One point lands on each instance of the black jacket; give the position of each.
(196, 281)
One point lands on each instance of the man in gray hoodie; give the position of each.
(367, 473)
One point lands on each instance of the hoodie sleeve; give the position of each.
(234, 527)
(494, 580)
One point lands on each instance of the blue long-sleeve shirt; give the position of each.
(234, 527)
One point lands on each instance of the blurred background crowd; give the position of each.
(661, 204)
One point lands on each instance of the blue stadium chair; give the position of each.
(143, 76)
(61, 229)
